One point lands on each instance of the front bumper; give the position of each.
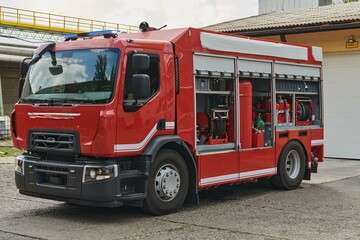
(64, 181)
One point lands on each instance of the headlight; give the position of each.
(97, 173)
(19, 165)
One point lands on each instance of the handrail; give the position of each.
(21, 18)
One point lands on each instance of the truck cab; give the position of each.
(86, 107)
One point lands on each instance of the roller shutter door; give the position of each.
(342, 105)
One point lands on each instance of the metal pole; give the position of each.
(1, 100)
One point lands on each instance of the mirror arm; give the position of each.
(35, 59)
(21, 86)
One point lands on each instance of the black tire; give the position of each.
(164, 197)
(291, 167)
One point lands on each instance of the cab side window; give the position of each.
(130, 105)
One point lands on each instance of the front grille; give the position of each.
(51, 175)
(53, 141)
(52, 168)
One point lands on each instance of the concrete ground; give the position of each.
(327, 207)
(335, 169)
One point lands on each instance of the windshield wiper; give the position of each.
(70, 101)
(35, 100)
(58, 101)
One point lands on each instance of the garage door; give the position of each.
(342, 105)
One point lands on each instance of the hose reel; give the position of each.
(212, 126)
(304, 110)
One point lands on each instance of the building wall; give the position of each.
(331, 41)
(266, 6)
(9, 73)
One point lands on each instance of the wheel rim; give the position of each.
(293, 164)
(167, 182)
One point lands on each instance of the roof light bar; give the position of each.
(105, 33)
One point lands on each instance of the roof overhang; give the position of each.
(298, 29)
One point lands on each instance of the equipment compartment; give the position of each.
(214, 105)
(297, 96)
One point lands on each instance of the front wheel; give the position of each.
(291, 167)
(168, 183)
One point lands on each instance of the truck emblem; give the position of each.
(50, 139)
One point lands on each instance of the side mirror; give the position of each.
(141, 86)
(24, 66)
(56, 70)
(140, 62)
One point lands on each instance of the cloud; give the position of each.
(181, 13)
(73, 71)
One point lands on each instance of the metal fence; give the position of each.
(4, 127)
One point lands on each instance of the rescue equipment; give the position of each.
(212, 126)
(304, 111)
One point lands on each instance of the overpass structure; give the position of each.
(25, 24)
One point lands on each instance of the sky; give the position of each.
(174, 13)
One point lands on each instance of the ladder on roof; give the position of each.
(45, 26)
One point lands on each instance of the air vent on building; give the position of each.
(325, 2)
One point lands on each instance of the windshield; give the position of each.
(72, 77)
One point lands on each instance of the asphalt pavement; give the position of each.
(327, 207)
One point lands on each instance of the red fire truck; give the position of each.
(151, 118)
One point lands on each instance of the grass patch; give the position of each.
(9, 152)
(7, 149)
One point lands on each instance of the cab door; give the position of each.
(139, 120)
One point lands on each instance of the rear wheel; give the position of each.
(291, 167)
(168, 183)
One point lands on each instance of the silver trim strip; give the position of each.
(138, 146)
(237, 176)
(169, 125)
(218, 179)
(214, 152)
(53, 115)
(258, 173)
(317, 142)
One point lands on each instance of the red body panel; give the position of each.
(317, 143)
(136, 129)
(317, 134)
(251, 161)
(185, 100)
(83, 119)
(215, 169)
(185, 109)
